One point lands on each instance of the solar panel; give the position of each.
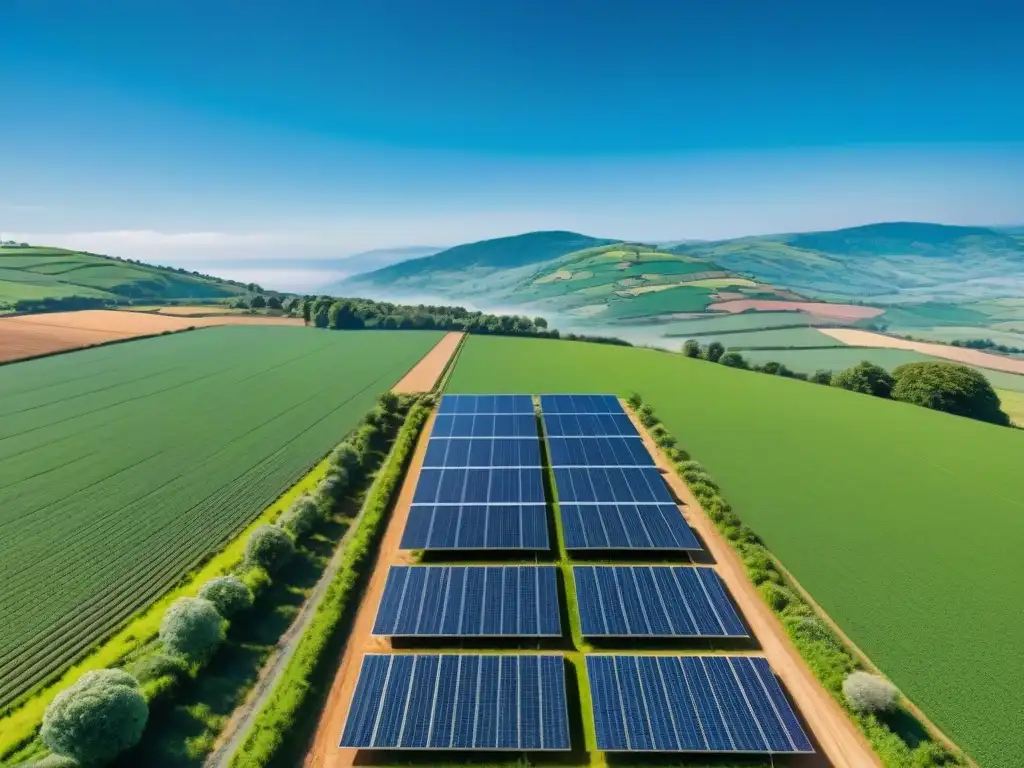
(598, 452)
(589, 425)
(482, 452)
(485, 425)
(465, 601)
(480, 486)
(626, 526)
(472, 404)
(606, 485)
(476, 527)
(654, 601)
(459, 701)
(691, 704)
(557, 404)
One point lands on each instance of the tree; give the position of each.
(273, 303)
(821, 377)
(949, 387)
(241, 304)
(307, 308)
(258, 302)
(192, 628)
(269, 547)
(869, 693)
(228, 595)
(321, 318)
(691, 348)
(301, 517)
(635, 400)
(733, 360)
(714, 351)
(773, 368)
(865, 377)
(97, 718)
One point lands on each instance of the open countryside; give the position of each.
(109, 493)
(922, 511)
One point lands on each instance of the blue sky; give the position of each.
(212, 131)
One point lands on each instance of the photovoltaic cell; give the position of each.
(482, 452)
(493, 404)
(598, 452)
(626, 526)
(691, 704)
(558, 404)
(485, 425)
(480, 486)
(611, 485)
(482, 601)
(476, 527)
(459, 701)
(654, 601)
(589, 425)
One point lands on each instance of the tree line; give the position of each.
(949, 387)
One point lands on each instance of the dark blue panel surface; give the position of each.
(476, 527)
(625, 526)
(558, 404)
(471, 404)
(522, 485)
(691, 704)
(588, 485)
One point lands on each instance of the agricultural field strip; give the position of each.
(178, 472)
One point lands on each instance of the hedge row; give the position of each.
(826, 655)
(279, 716)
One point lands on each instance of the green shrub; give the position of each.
(733, 360)
(691, 348)
(866, 378)
(192, 628)
(820, 377)
(55, 761)
(865, 692)
(635, 401)
(776, 595)
(646, 416)
(228, 594)
(949, 387)
(269, 547)
(388, 402)
(255, 578)
(301, 517)
(346, 457)
(714, 351)
(157, 665)
(676, 454)
(688, 466)
(97, 718)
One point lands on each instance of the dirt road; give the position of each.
(424, 375)
(324, 752)
(837, 737)
(976, 357)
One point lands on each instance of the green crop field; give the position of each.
(905, 524)
(122, 467)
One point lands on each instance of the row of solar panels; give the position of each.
(522, 601)
(711, 704)
(476, 452)
(493, 404)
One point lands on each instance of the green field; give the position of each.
(905, 524)
(773, 338)
(122, 467)
(721, 322)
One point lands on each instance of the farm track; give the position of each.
(423, 376)
(183, 466)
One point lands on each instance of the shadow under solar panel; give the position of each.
(459, 701)
(727, 704)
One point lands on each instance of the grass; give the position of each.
(903, 523)
(167, 448)
(1013, 405)
(21, 723)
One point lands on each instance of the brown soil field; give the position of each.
(191, 311)
(34, 335)
(838, 739)
(857, 338)
(324, 751)
(424, 375)
(831, 311)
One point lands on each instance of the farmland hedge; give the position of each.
(280, 714)
(302, 516)
(97, 718)
(269, 548)
(228, 594)
(825, 653)
(192, 628)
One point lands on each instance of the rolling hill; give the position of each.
(32, 276)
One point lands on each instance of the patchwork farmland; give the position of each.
(124, 466)
(922, 509)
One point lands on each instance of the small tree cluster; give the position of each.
(228, 594)
(192, 628)
(949, 387)
(865, 692)
(301, 517)
(866, 378)
(97, 718)
(269, 548)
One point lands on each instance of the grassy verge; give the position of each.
(21, 721)
(278, 728)
(898, 738)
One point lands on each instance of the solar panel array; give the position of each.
(626, 526)
(482, 601)
(481, 486)
(691, 704)
(598, 452)
(455, 701)
(654, 601)
(556, 404)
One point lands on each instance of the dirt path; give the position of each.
(838, 738)
(857, 338)
(424, 375)
(324, 752)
